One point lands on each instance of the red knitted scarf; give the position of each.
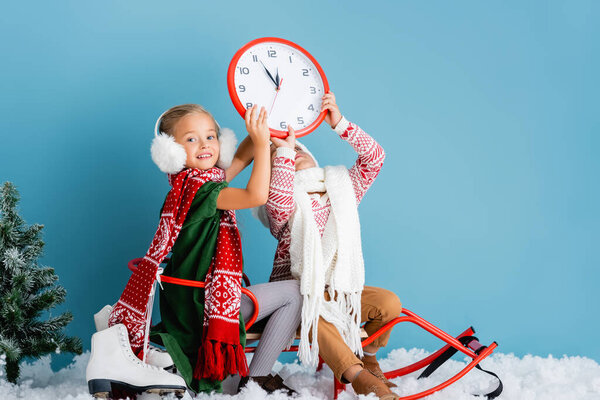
(221, 352)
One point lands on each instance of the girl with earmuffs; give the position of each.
(203, 330)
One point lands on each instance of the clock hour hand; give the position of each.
(277, 79)
(270, 76)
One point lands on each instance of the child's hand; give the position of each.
(257, 128)
(289, 141)
(333, 115)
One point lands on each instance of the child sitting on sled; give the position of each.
(312, 212)
(201, 329)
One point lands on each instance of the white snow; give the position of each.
(527, 378)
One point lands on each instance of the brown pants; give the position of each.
(378, 307)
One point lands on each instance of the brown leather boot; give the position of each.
(372, 365)
(365, 383)
(258, 379)
(276, 383)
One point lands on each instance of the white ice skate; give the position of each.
(155, 356)
(114, 367)
(101, 318)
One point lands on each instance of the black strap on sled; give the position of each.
(473, 343)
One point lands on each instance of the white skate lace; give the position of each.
(125, 343)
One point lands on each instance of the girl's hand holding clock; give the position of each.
(334, 115)
(257, 126)
(289, 141)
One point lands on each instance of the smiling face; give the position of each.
(197, 133)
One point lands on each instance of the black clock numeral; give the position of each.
(311, 108)
(248, 105)
(290, 59)
(313, 90)
(244, 70)
(300, 120)
(254, 58)
(283, 125)
(242, 88)
(304, 72)
(272, 53)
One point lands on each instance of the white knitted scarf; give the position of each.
(333, 262)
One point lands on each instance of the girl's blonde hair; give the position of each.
(173, 114)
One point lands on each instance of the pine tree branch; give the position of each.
(71, 344)
(40, 346)
(32, 234)
(40, 328)
(11, 311)
(10, 348)
(22, 282)
(52, 343)
(44, 301)
(9, 197)
(33, 252)
(13, 260)
(11, 230)
(44, 277)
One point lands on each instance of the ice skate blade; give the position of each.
(107, 389)
(179, 393)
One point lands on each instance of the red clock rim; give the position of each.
(240, 107)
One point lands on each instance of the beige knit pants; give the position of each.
(378, 307)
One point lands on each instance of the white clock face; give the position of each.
(283, 80)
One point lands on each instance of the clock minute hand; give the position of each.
(270, 76)
(276, 93)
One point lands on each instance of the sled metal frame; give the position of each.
(474, 350)
(132, 265)
(451, 341)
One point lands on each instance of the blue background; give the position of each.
(485, 213)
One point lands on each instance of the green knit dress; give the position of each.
(182, 307)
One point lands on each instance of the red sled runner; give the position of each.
(466, 343)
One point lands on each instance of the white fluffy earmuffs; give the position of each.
(170, 156)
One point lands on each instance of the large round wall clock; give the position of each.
(282, 77)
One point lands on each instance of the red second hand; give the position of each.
(279, 87)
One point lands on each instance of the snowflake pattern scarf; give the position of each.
(221, 352)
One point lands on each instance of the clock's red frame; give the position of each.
(240, 107)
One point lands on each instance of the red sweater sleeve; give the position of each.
(280, 203)
(370, 156)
